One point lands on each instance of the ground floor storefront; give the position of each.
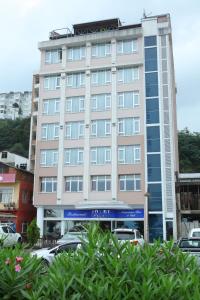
(54, 222)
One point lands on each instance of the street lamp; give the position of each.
(146, 229)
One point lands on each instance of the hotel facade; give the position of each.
(103, 143)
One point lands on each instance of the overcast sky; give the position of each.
(23, 23)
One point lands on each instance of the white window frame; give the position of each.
(120, 46)
(80, 99)
(122, 121)
(121, 99)
(49, 60)
(107, 155)
(43, 157)
(71, 51)
(68, 133)
(96, 178)
(77, 78)
(95, 77)
(52, 180)
(122, 154)
(70, 179)
(124, 178)
(44, 127)
(45, 110)
(47, 83)
(68, 154)
(96, 53)
(107, 102)
(121, 74)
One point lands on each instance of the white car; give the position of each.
(69, 236)
(8, 237)
(48, 254)
(128, 234)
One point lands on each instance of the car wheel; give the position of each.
(45, 265)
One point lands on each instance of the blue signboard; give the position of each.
(104, 214)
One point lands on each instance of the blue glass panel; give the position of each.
(150, 41)
(155, 227)
(151, 59)
(155, 198)
(152, 111)
(153, 139)
(153, 160)
(151, 80)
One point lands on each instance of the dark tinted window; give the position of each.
(154, 169)
(153, 139)
(150, 41)
(155, 197)
(67, 247)
(151, 59)
(125, 236)
(151, 80)
(152, 111)
(155, 227)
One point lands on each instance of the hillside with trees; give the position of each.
(14, 136)
(189, 151)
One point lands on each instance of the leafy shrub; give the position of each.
(19, 272)
(33, 233)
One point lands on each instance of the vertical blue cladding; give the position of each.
(153, 139)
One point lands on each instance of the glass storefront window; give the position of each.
(52, 229)
(52, 213)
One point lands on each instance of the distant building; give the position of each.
(103, 142)
(14, 160)
(188, 202)
(16, 190)
(15, 105)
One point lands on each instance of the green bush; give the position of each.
(33, 233)
(105, 269)
(19, 272)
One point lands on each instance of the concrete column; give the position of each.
(63, 227)
(40, 219)
(64, 57)
(61, 140)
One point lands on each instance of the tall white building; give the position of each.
(103, 143)
(15, 105)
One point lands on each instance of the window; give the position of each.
(74, 130)
(101, 102)
(51, 106)
(73, 156)
(48, 184)
(6, 195)
(76, 53)
(130, 154)
(50, 131)
(48, 158)
(101, 183)
(127, 75)
(25, 196)
(74, 184)
(130, 182)
(151, 81)
(155, 197)
(128, 99)
(76, 80)
(101, 50)
(153, 139)
(101, 77)
(52, 82)
(155, 227)
(100, 128)
(126, 46)
(128, 126)
(154, 167)
(150, 41)
(100, 155)
(4, 154)
(152, 111)
(75, 104)
(53, 56)
(151, 59)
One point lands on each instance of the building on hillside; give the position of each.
(14, 160)
(188, 202)
(16, 201)
(15, 105)
(103, 142)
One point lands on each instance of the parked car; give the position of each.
(48, 254)
(8, 236)
(128, 234)
(72, 236)
(190, 246)
(195, 232)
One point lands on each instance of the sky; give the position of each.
(23, 23)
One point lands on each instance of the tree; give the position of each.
(33, 233)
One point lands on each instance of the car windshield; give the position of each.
(127, 236)
(190, 244)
